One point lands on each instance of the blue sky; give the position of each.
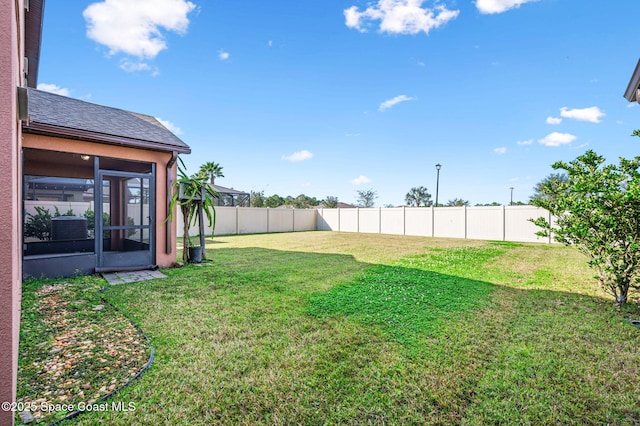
(327, 97)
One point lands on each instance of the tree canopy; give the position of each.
(211, 170)
(553, 179)
(302, 201)
(330, 202)
(257, 199)
(457, 202)
(366, 197)
(597, 209)
(418, 196)
(495, 203)
(273, 201)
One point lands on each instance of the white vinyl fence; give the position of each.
(506, 223)
(247, 220)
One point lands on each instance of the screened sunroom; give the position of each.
(96, 181)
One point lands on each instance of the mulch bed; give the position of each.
(74, 348)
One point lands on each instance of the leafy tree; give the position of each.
(301, 201)
(257, 199)
(273, 201)
(366, 197)
(211, 170)
(417, 196)
(597, 209)
(331, 202)
(457, 202)
(553, 179)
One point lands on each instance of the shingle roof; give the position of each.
(67, 117)
(631, 94)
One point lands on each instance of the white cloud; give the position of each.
(500, 150)
(169, 125)
(298, 156)
(223, 55)
(360, 180)
(134, 27)
(499, 6)
(557, 139)
(270, 43)
(394, 101)
(554, 120)
(527, 142)
(592, 114)
(399, 16)
(130, 66)
(52, 88)
(631, 104)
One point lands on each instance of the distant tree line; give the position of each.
(302, 201)
(417, 196)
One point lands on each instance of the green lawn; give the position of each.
(337, 328)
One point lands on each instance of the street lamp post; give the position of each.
(511, 202)
(437, 181)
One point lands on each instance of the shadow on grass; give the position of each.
(259, 335)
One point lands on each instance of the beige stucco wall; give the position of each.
(160, 158)
(11, 52)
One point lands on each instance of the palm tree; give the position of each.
(418, 196)
(212, 170)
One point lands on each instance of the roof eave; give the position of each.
(83, 135)
(634, 84)
(34, 19)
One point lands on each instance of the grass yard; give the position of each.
(336, 328)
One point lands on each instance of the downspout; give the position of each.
(169, 242)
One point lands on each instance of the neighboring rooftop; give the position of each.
(231, 197)
(231, 191)
(631, 94)
(56, 115)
